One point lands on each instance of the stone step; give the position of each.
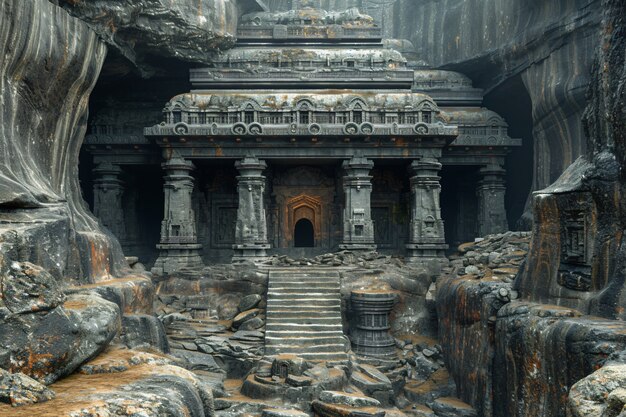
(309, 295)
(304, 319)
(305, 302)
(297, 311)
(304, 288)
(297, 327)
(315, 356)
(300, 342)
(297, 350)
(304, 339)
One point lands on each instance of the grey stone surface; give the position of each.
(19, 389)
(46, 221)
(249, 302)
(186, 30)
(50, 345)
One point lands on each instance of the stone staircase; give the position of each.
(304, 314)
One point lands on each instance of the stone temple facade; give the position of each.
(312, 135)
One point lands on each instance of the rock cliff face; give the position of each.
(51, 63)
(573, 274)
(148, 32)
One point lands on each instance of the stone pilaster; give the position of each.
(108, 190)
(179, 246)
(490, 192)
(251, 242)
(426, 233)
(358, 227)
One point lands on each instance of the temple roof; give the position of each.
(310, 17)
(322, 100)
(285, 55)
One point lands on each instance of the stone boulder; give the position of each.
(603, 393)
(18, 389)
(28, 288)
(125, 383)
(49, 345)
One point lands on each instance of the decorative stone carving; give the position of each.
(371, 336)
(575, 268)
(358, 227)
(426, 233)
(179, 246)
(251, 241)
(491, 209)
(108, 190)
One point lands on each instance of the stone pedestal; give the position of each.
(490, 192)
(358, 227)
(179, 246)
(251, 242)
(426, 234)
(371, 337)
(108, 190)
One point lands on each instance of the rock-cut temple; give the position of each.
(312, 135)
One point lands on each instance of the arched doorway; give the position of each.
(304, 234)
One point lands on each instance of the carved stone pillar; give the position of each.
(179, 246)
(490, 192)
(426, 234)
(358, 227)
(108, 189)
(251, 243)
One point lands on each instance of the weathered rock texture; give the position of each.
(50, 64)
(577, 255)
(124, 383)
(146, 32)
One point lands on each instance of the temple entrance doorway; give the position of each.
(304, 234)
(304, 217)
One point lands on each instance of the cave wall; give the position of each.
(569, 320)
(51, 62)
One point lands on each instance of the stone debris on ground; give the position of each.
(369, 260)
(19, 389)
(495, 256)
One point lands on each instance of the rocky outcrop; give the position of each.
(50, 64)
(146, 32)
(44, 334)
(125, 383)
(577, 254)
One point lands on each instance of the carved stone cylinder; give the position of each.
(371, 336)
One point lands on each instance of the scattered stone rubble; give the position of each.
(495, 257)
(338, 259)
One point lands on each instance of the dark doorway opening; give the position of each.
(303, 234)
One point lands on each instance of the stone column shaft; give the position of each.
(358, 227)
(426, 234)
(251, 242)
(491, 209)
(108, 190)
(179, 238)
